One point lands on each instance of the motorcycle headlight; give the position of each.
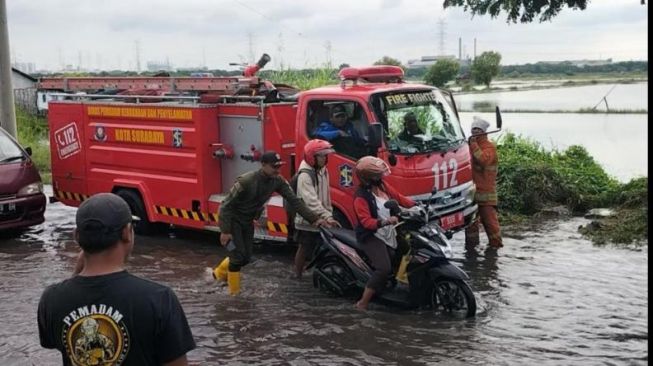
(30, 189)
(439, 243)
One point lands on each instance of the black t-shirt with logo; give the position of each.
(114, 319)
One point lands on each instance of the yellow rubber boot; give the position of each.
(234, 283)
(220, 271)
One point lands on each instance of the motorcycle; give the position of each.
(341, 267)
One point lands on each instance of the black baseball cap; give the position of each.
(338, 110)
(272, 158)
(103, 213)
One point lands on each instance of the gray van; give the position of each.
(22, 202)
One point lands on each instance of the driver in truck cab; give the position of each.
(338, 126)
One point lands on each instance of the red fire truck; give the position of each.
(173, 146)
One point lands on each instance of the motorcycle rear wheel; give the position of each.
(453, 297)
(338, 273)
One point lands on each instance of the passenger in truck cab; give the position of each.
(375, 231)
(341, 133)
(411, 128)
(244, 204)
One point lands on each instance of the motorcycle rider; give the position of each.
(374, 230)
(313, 189)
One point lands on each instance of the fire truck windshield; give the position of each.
(417, 121)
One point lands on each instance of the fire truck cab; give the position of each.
(173, 147)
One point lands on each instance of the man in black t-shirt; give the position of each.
(104, 315)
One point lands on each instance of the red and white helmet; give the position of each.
(370, 168)
(316, 147)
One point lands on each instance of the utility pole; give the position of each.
(327, 47)
(250, 39)
(442, 33)
(62, 66)
(7, 108)
(280, 51)
(474, 48)
(138, 56)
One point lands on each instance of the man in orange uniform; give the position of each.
(484, 172)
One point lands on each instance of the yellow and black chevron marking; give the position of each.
(70, 196)
(276, 227)
(185, 214)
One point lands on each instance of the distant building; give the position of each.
(580, 63)
(26, 67)
(427, 61)
(24, 86)
(159, 66)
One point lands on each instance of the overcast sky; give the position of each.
(105, 34)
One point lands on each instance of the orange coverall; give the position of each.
(484, 173)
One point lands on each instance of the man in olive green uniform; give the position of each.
(242, 206)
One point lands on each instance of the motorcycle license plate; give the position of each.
(451, 221)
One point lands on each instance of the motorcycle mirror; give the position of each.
(393, 206)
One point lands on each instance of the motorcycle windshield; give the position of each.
(419, 121)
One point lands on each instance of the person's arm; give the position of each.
(174, 338)
(45, 328)
(355, 134)
(362, 211)
(401, 199)
(327, 131)
(308, 193)
(226, 207)
(283, 188)
(181, 361)
(482, 156)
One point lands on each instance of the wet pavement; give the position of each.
(549, 297)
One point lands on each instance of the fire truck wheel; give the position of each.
(341, 218)
(133, 199)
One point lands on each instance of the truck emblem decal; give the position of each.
(177, 137)
(100, 133)
(346, 175)
(68, 141)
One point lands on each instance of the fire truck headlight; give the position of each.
(471, 192)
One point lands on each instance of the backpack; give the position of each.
(293, 185)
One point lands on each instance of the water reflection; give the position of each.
(616, 141)
(623, 96)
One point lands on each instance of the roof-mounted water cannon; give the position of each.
(372, 74)
(251, 70)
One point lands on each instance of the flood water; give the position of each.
(549, 298)
(616, 141)
(621, 96)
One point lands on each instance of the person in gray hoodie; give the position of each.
(313, 189)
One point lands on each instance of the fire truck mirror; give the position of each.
(498, 114)
(375, 135)
(392, 159)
